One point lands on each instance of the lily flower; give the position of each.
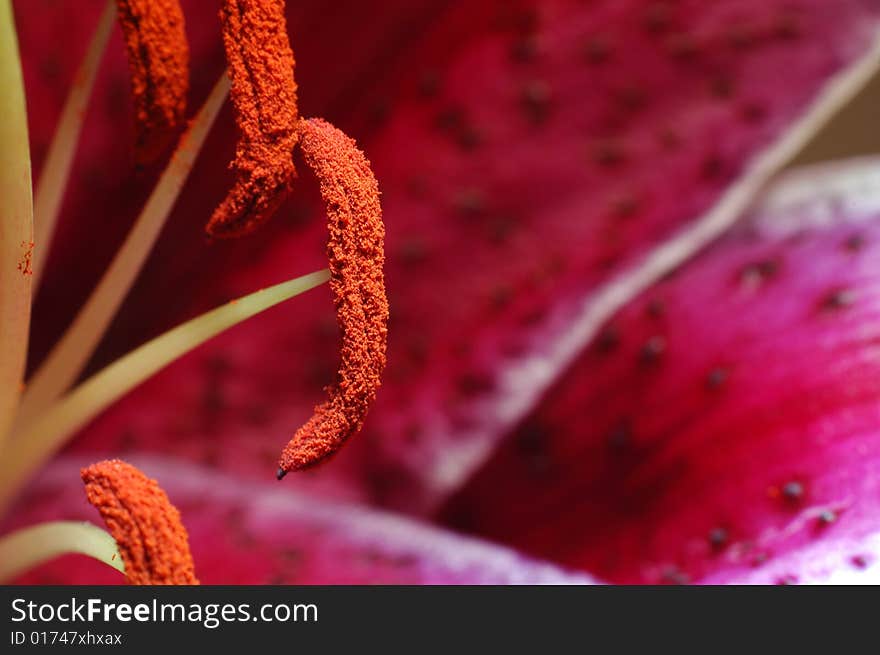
(623, 345)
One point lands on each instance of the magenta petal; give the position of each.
(726, 426)
(268, 534)
(519, 172)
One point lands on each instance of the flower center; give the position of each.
(146, 527)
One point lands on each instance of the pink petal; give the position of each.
(725, 426)
(267, 534)
(563, 140)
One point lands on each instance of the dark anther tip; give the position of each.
(280, 473)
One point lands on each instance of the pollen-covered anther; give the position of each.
(152, 540)
(356, 257)
(263, 93)
(158, 61)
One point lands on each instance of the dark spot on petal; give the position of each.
(518, 19)
(319, 372)
(533, 317)
(326, 330)
(859, 561)
(531, 439)
(213, 400)
(669, 138)
(474, 383)
(462, 348)
(656, 308)
(712, 166)
(379, 112)
(608, 340)
(608, 153)
(413, 251)
(683, 47)
(756, 274)
(128, 440)
(532, 444)
(741, 37)
(674, 575)
(258, 415)
(759, 559)
(470, 203)
(536, 99)
(787, 27)
(524, 49)
(428, 85)
(596, 49)
(854, 243)
(291, 556)
(608, 261)
(500, 228)
(385, 481)
(787, 579)
(500, 297)
(624, 206)
(718, 538)
(793, 492)
(716, 378)
(469, 137)
(721, 87)
(657, 17)
(449, 118)
(631, 97)
(50, 67)
(412, 434)
(753, 112)
(620, 436)
(837, 299)
(826, 517)
(217, 366)
(417, 185)
(299, 214)
(417, 350)
(652, 350)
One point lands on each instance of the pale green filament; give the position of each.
(16, 222)
(72, 352)
(59, 158)
(29, 547)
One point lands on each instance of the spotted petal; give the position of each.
(725, 427)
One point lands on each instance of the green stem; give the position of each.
(29, 547)
(16, 222)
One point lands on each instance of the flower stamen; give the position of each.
(158, 61)
(263, 95)
(356, 256)
(147, 528)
